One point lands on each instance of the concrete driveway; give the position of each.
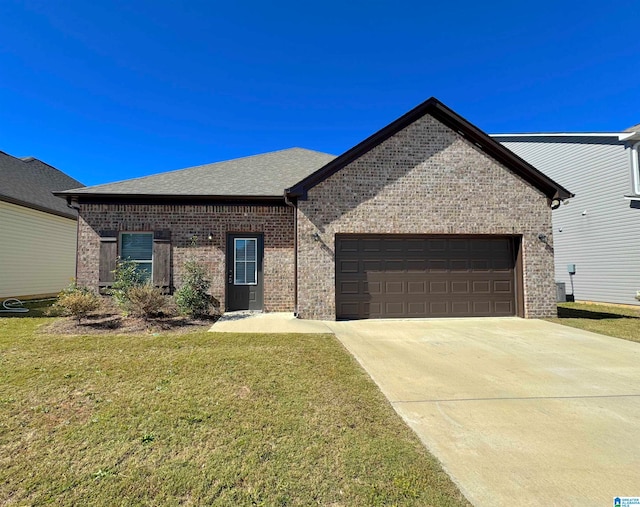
(519, 412)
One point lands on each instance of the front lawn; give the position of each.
(612, 320)
(201, 419)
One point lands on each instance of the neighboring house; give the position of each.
(598, 232)
(37, 230)
(429, 217)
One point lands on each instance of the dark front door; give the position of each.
(244, 271)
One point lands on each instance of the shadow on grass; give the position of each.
(575, 313)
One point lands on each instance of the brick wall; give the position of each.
(187, 221)
(426, 179)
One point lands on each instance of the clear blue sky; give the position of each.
(109, 90)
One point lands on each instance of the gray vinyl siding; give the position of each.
(604, 243)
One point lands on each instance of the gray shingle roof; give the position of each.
(30, 182)
(266, 175)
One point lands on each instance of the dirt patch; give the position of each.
(111, 322)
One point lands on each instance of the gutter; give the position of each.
(290, 203)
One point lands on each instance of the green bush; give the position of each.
(126, 276)
(78, 301)
(144, 301)
(192, 298)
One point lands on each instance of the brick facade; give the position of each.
(188, 221)
(426, 179)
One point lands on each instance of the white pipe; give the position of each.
(635, 167)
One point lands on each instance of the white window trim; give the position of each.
(134, 260)
(255, 262)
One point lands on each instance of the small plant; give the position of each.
(126, 276)
(78, 301)
(192, 298)
(144, 301)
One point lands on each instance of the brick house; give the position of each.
(428, 217)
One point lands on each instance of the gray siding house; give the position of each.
(597, 231)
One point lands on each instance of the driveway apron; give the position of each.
(519, 412)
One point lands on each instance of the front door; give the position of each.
(244, 271)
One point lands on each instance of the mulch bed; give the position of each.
(111, 322)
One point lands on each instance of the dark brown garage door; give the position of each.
(390, 276)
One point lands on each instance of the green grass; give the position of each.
(612, 320)
(201, 419)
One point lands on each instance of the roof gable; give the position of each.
(448, 117)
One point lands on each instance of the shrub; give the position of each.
(78, 301)
(126, 276)
(192, 298)
(144, 301)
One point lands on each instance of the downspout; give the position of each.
(72, 202)
(288, 202)
(635, 167)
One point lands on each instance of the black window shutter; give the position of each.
(162, 259)
(108, 256)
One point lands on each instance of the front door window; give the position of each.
(245, 261)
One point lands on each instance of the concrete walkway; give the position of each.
(258, 322)
(519, 412)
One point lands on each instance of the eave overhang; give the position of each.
(50, 211)
(115, 198)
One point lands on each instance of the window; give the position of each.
(245, 261)
(138, 247)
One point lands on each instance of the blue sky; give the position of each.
(112, 90)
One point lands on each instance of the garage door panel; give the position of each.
(371, 265)
(394, 309)
(349, 287)
(349, 245)
(437, 265)
(349, 266)
(502, 287)
(439, 308)
(370, 245)
(439, 287)
(417, 287)
(393, 265)
(481, 287)
(480, 264)
(393, 288)
(504, 308)
(460, 287)
(416, 309)
(458, 245)
(372, 287)
(417, 265)
(436, 245)
(459, 264)
(481, 307)
(395, 276)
